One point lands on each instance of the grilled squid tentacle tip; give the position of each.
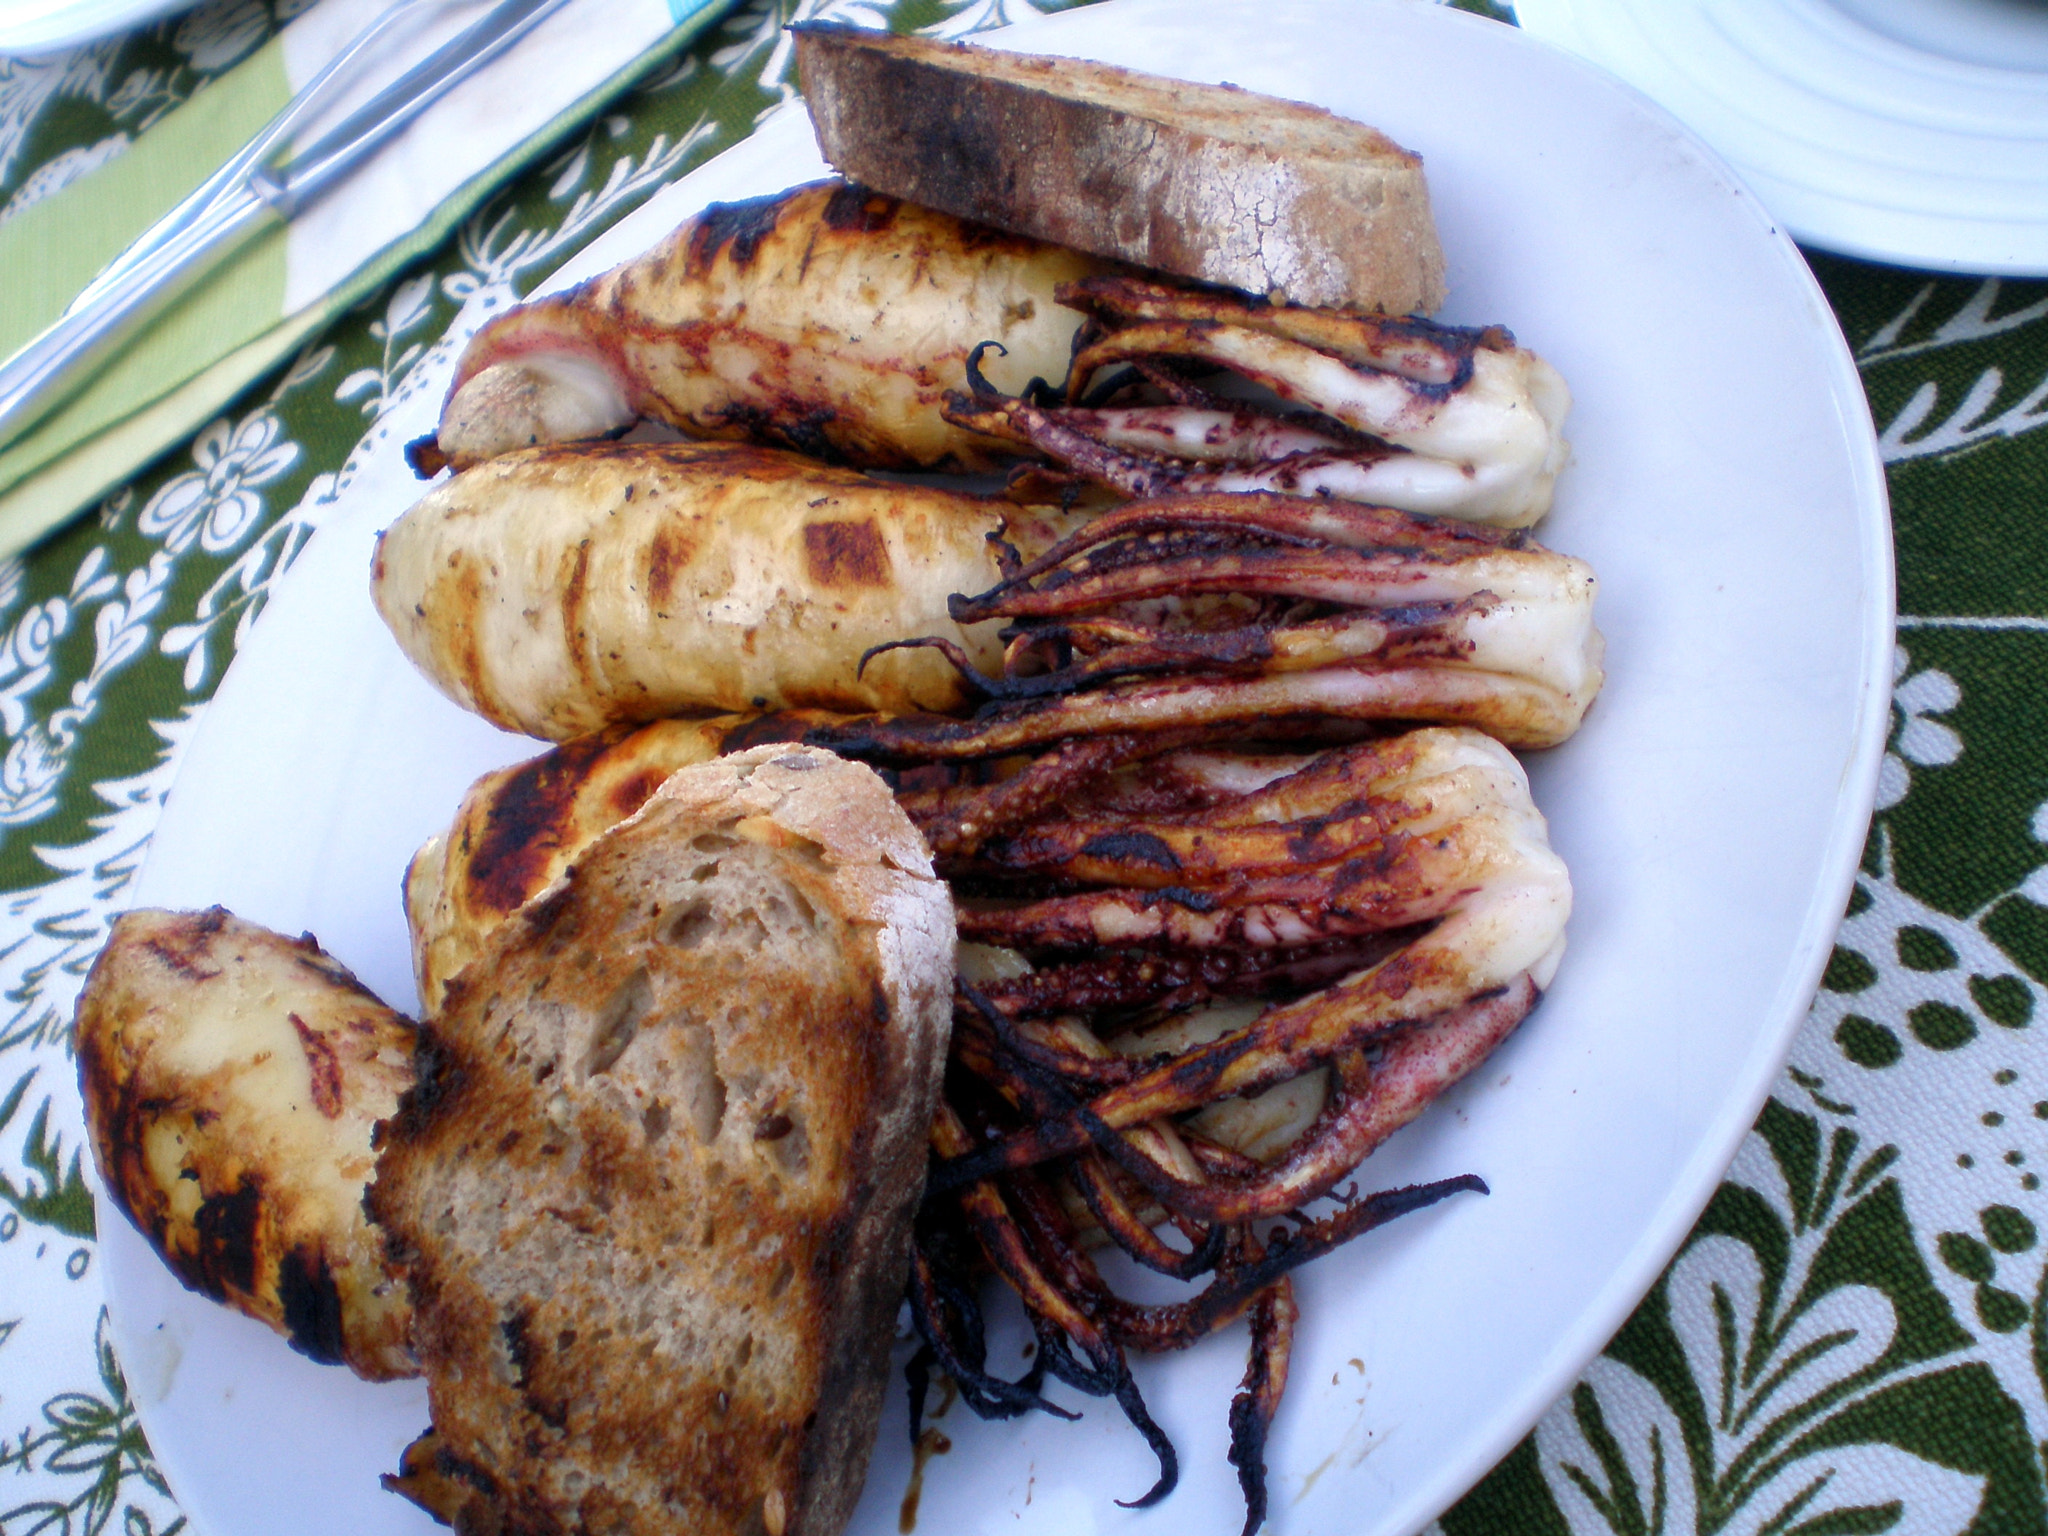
(951, 651)
(1133, 1405)
(977, 385)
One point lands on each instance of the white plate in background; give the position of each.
(1727, 489)
(1910, 131)
(39, 27)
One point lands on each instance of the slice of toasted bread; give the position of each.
(231, 1077)
(1207, 181)
(654, 1188)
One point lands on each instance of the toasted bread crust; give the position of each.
(652, 1191)
(231, 1078)
(1212, 182)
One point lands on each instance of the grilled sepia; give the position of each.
(560, 591)
(827, 318)
(231, 1079)
(556, 591)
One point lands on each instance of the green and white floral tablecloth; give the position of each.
(1854, 1339)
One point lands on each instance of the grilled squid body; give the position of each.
(556, 591)
(519, 829)
(231, 1078)
(828, 319)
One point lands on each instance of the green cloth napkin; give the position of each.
(243, 317)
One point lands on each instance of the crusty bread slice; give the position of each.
(231, 1077)
(1207, 181)
(653, 1190)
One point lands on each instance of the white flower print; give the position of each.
(219, 33)
(218, 503)
(980, 15)
(2035, 887)
(1771, 1360)
(27, 86)
(58, 172)
(767, 27)
(29, 776)
(1922, 742)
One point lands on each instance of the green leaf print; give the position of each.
(1790, 1352)
(62, 1201)
(94, 1439)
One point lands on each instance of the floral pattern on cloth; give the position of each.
(1855, 1336)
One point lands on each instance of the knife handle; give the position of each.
(49, 369)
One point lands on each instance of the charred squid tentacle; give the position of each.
(1283, 1043)
(983, 684)
(1517, 711)
(1140, 452)
(1155, 852)
(987, 1032)
(1110, 649)
(1396, 412)
(1273, 913)
(1349, 1127)
(1265, 1378)
(1370, 1103)
(1423, 351)
(1354, 578)
(1339, 1140)
(1237, 1283)
(1249, 1267)
(947, 1317)
(1160, 982)
(1055, 1314)
(960, 827)
(1097, 1187)
(1299, 520)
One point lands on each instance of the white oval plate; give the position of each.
(1911, 131)
(1728, 491)
(39, 27)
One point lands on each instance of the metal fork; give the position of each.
(272, 137)
(243, 197)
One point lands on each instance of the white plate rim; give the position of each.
(1786, 163)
